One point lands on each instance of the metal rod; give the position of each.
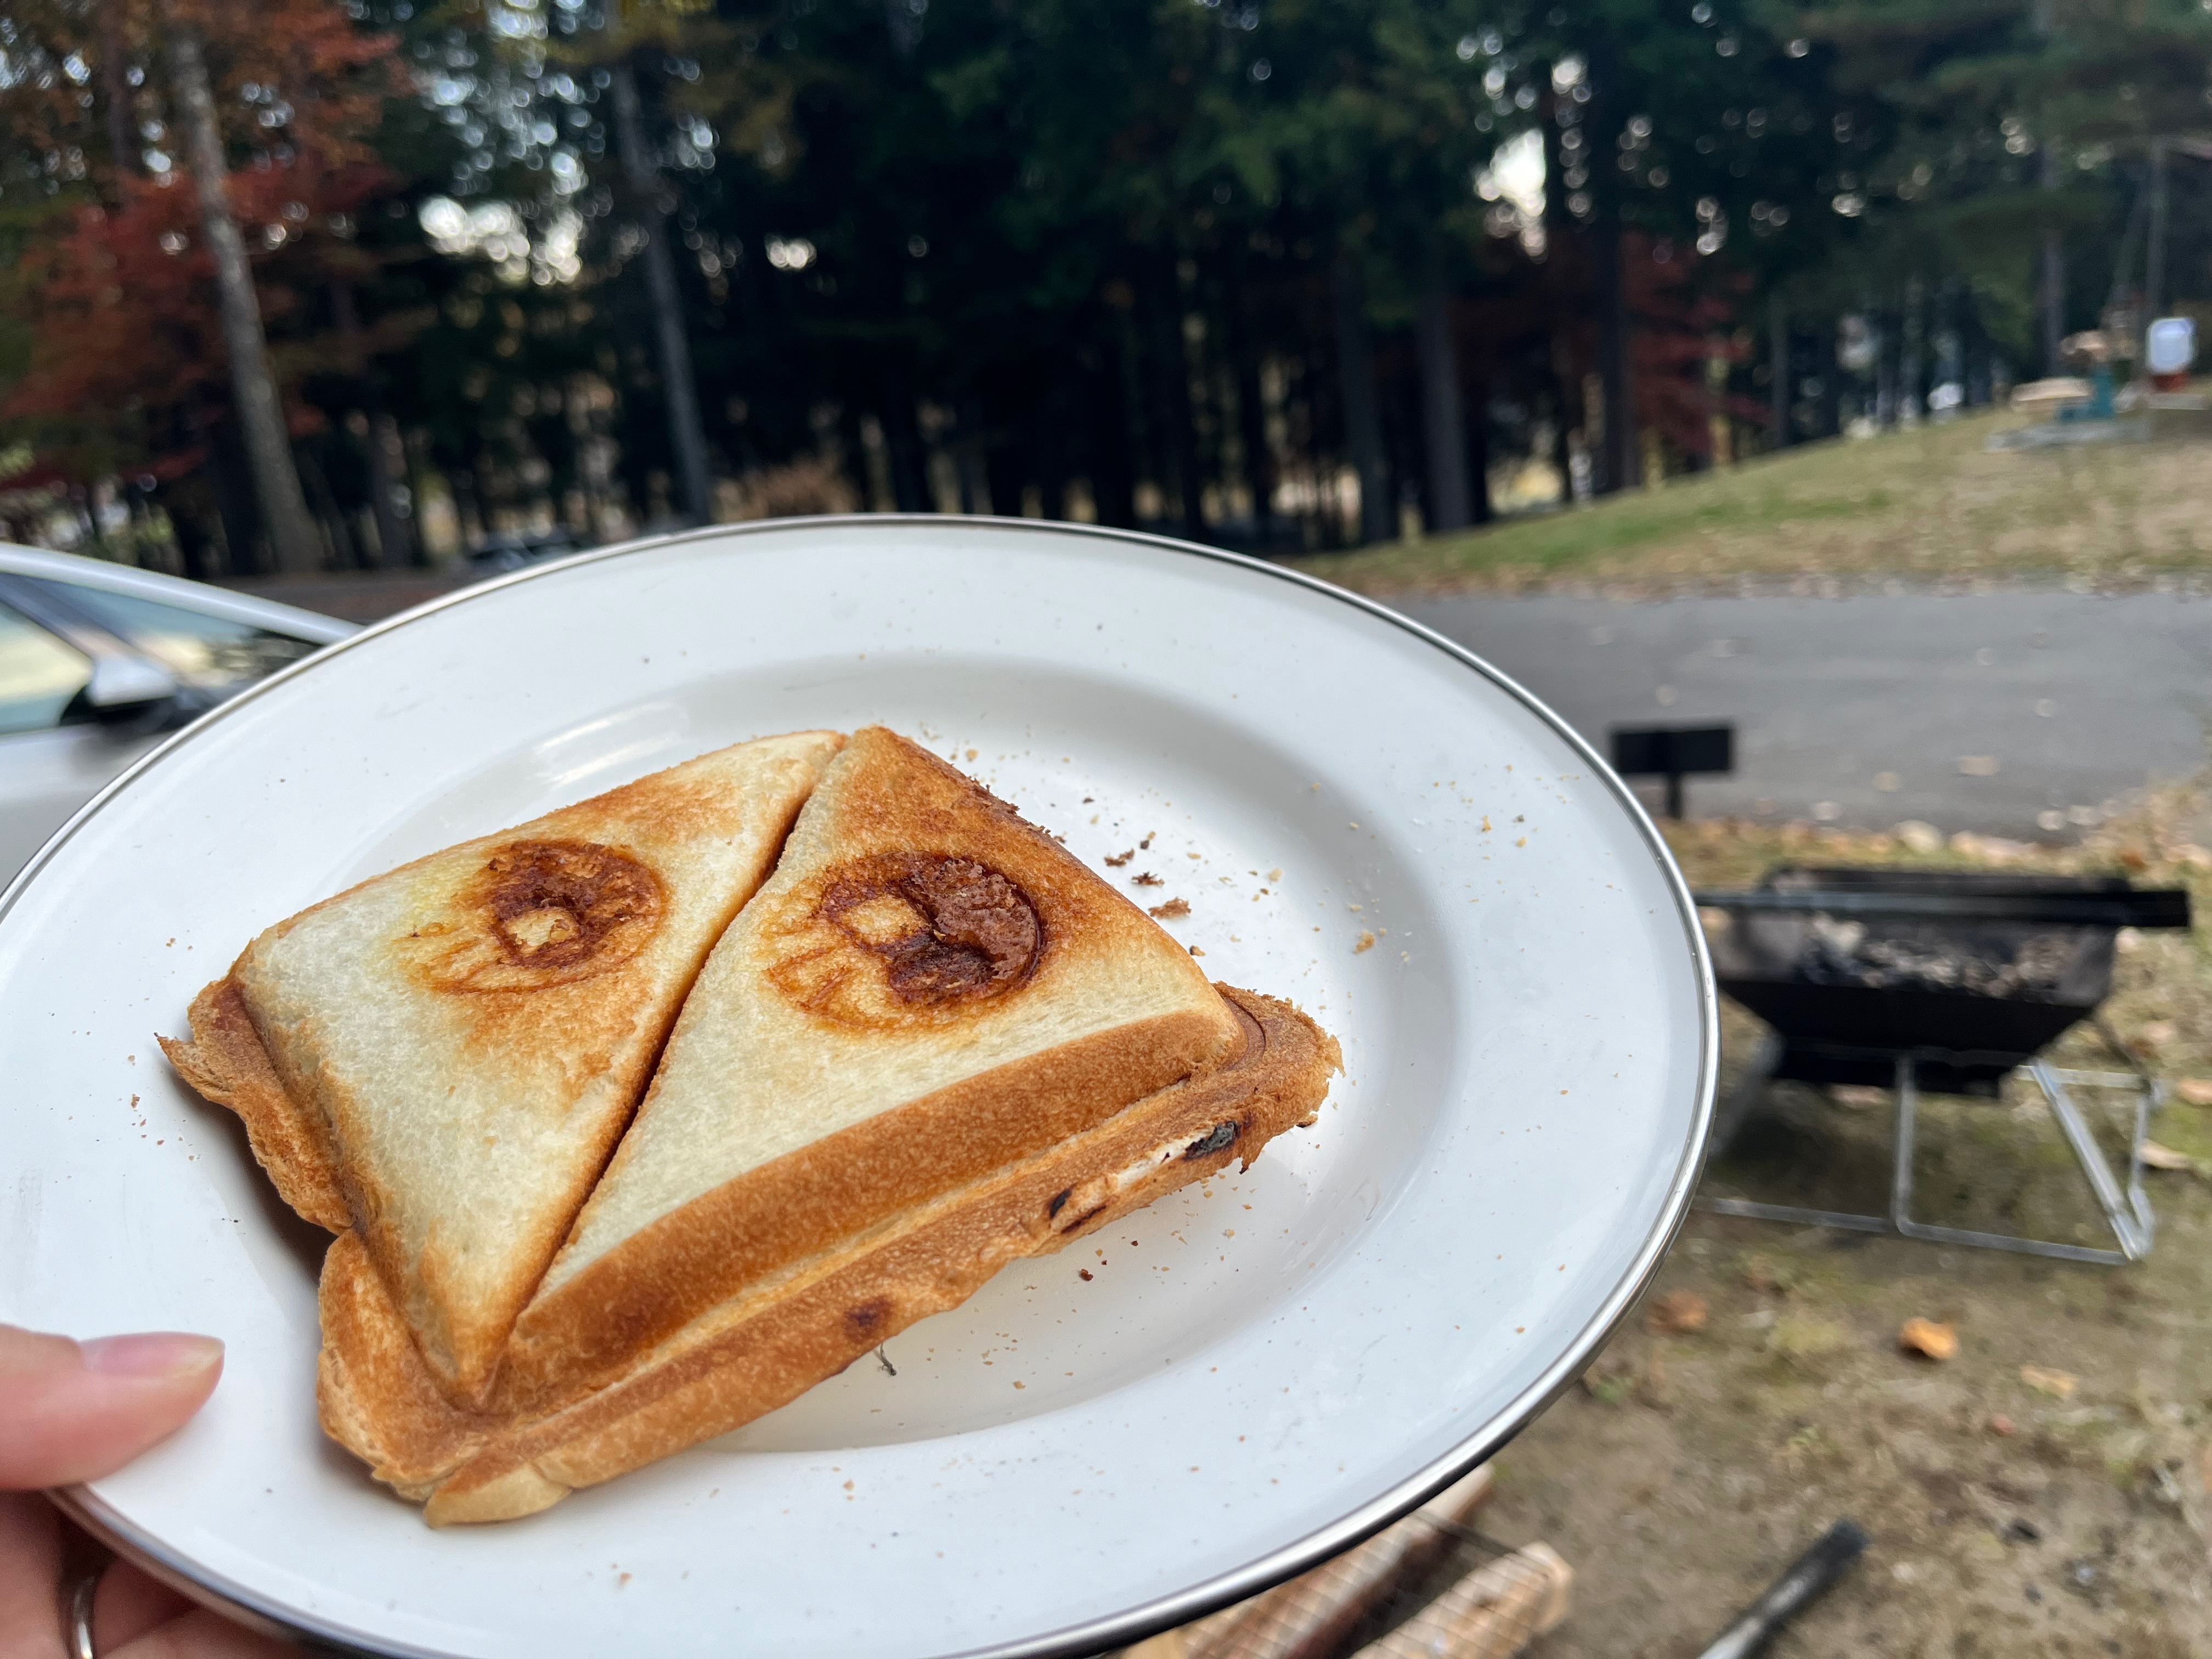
(2127, 1226)
(1900, 1168)
(1845, 1218)
(2154, 264)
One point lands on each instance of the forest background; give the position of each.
(321, 284)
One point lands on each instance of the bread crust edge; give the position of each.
(225, 1060)
(767, 1346)
(592, 1325)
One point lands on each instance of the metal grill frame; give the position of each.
(2126, 1210)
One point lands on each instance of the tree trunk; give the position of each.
(1171, 382)
(1832, 386)
(909, 464)
(1112, 458)
(1623, 465)
(1252, 423)
(191, 540)
(1363, 422)
(2154, 257)
(1476, 401)
(115, 86)
(1777, 346)
(233, 479)
(1885, 370)
(1974, 347)
(1444, 425)
(261, 411)
(2051, 280)
(1912, 331)
(687, 438)
(393, 547)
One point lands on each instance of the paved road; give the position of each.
(1860, 711)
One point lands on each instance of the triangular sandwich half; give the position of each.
(769, 1342)
(442, 1057)
(928, 990)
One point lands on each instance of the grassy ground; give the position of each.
(1689, 1466)
(1930, 504)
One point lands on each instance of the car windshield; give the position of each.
(200, 650)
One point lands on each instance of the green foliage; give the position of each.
(1062, 247)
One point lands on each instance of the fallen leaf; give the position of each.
(1928, 1339)
(1677, 1313)
(2059, 1385)
(2195, 1091)
(2155, 1156)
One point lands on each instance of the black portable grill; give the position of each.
(1914, 979)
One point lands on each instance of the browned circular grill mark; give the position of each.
(554, 902)
(539, 914)
(947, 930)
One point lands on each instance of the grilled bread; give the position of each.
(928, 989)
(931, 1042)
(441, 1059)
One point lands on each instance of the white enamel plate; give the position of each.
(1257, 1372)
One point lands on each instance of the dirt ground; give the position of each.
(2010, 1512)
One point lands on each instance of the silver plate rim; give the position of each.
(1098, 1635)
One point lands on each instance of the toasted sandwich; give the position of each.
(932, 1042)
(442, 1060)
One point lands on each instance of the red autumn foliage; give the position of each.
(122, 308)
(1684, 307)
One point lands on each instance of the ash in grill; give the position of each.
(1849, 953)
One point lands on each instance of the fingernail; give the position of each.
(152, 1354)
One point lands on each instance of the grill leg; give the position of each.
(1730, 1118)
(2130, 1216)
(2130, 1220)
(2128, 1213)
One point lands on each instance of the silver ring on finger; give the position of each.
(80, 1617)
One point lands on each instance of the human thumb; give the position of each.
(73, 1411)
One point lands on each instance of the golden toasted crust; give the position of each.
(766, 1346)
(225, 1061)
(373, 1393)
(662, 1277)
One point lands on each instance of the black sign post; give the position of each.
(1673, 752)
